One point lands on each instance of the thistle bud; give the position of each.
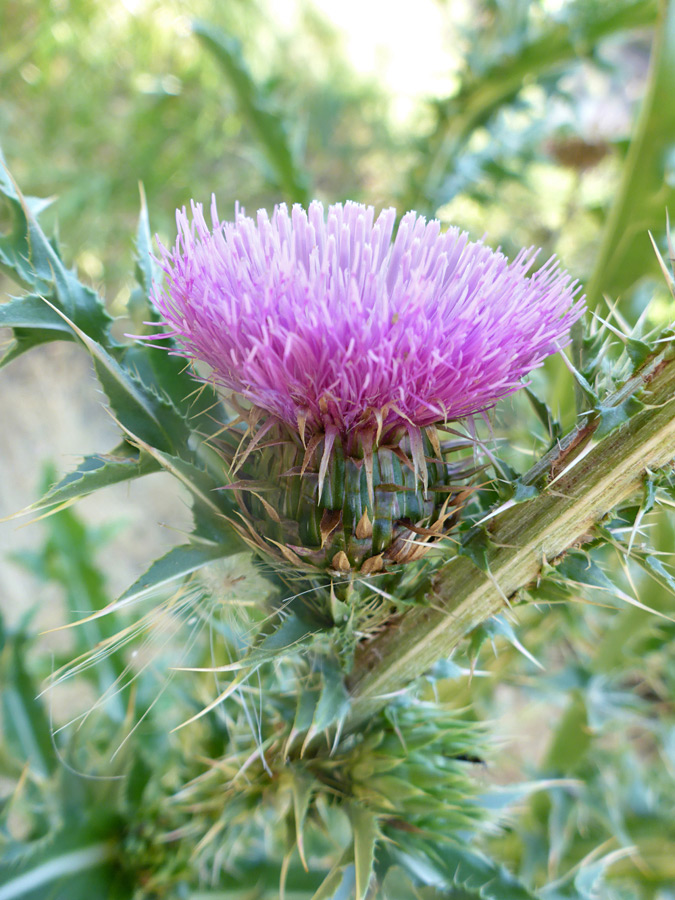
(365, 512)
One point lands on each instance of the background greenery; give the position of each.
(550, 128)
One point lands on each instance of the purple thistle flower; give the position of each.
(336, 327)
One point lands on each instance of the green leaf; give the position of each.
(544, 414)
(340, 876)
(98, 471)
(63, 869)
(68, 558)
(397, 886)
(524, 492)
(647, 187)
(498, 626)
(572, 738)
(657, 570)
(591, 876)
(266, 125)
(612, 417)
(365, 834)
(25, 723)
(648, 494)
(187, 407)
(305, 705)
(27, 255)
(582, 383)
(302, 788)
(460, 867)
(33, 322)
(30, 312)
(638, 351)
(291, 633)
(581, 569)
(476, 546)
(177, 564)
(133, 407)
(148, 273)
(333, 702)
(210, 506)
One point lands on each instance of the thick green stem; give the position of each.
(586, 480)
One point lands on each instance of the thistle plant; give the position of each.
(330, 387)
(322, 465)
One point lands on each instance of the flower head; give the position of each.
(351, 344)
(332, 324)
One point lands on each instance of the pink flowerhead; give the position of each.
(334, 322)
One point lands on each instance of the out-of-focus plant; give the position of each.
(118, 805)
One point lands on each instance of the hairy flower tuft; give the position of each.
(333, 325)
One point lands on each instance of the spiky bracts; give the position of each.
(360, 517)
(353, 339)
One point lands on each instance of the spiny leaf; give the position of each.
(130, 402)
(27, 255)
(291, 633)
(497, 625)
(657, 570)
(333, 702)
(460, 867)
(591, 876)
(476, 546)
(579, 568)
(365, 834)
(341, 877)
(30, 312)
(32, 323)
(68, 558)
(544, 414)
(304, 713)
(25, 339)
(288, 637)
(98, 471)
(612, 417)
(210, 506)
(177, 564)
(147, 271)
(86, 864)
(582, 383)
(302, 788)
(638, 351)
(193, 407)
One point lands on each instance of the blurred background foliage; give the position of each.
(531, 122)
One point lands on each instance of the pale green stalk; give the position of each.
(585, 481)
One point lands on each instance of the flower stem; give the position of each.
(585, 479)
